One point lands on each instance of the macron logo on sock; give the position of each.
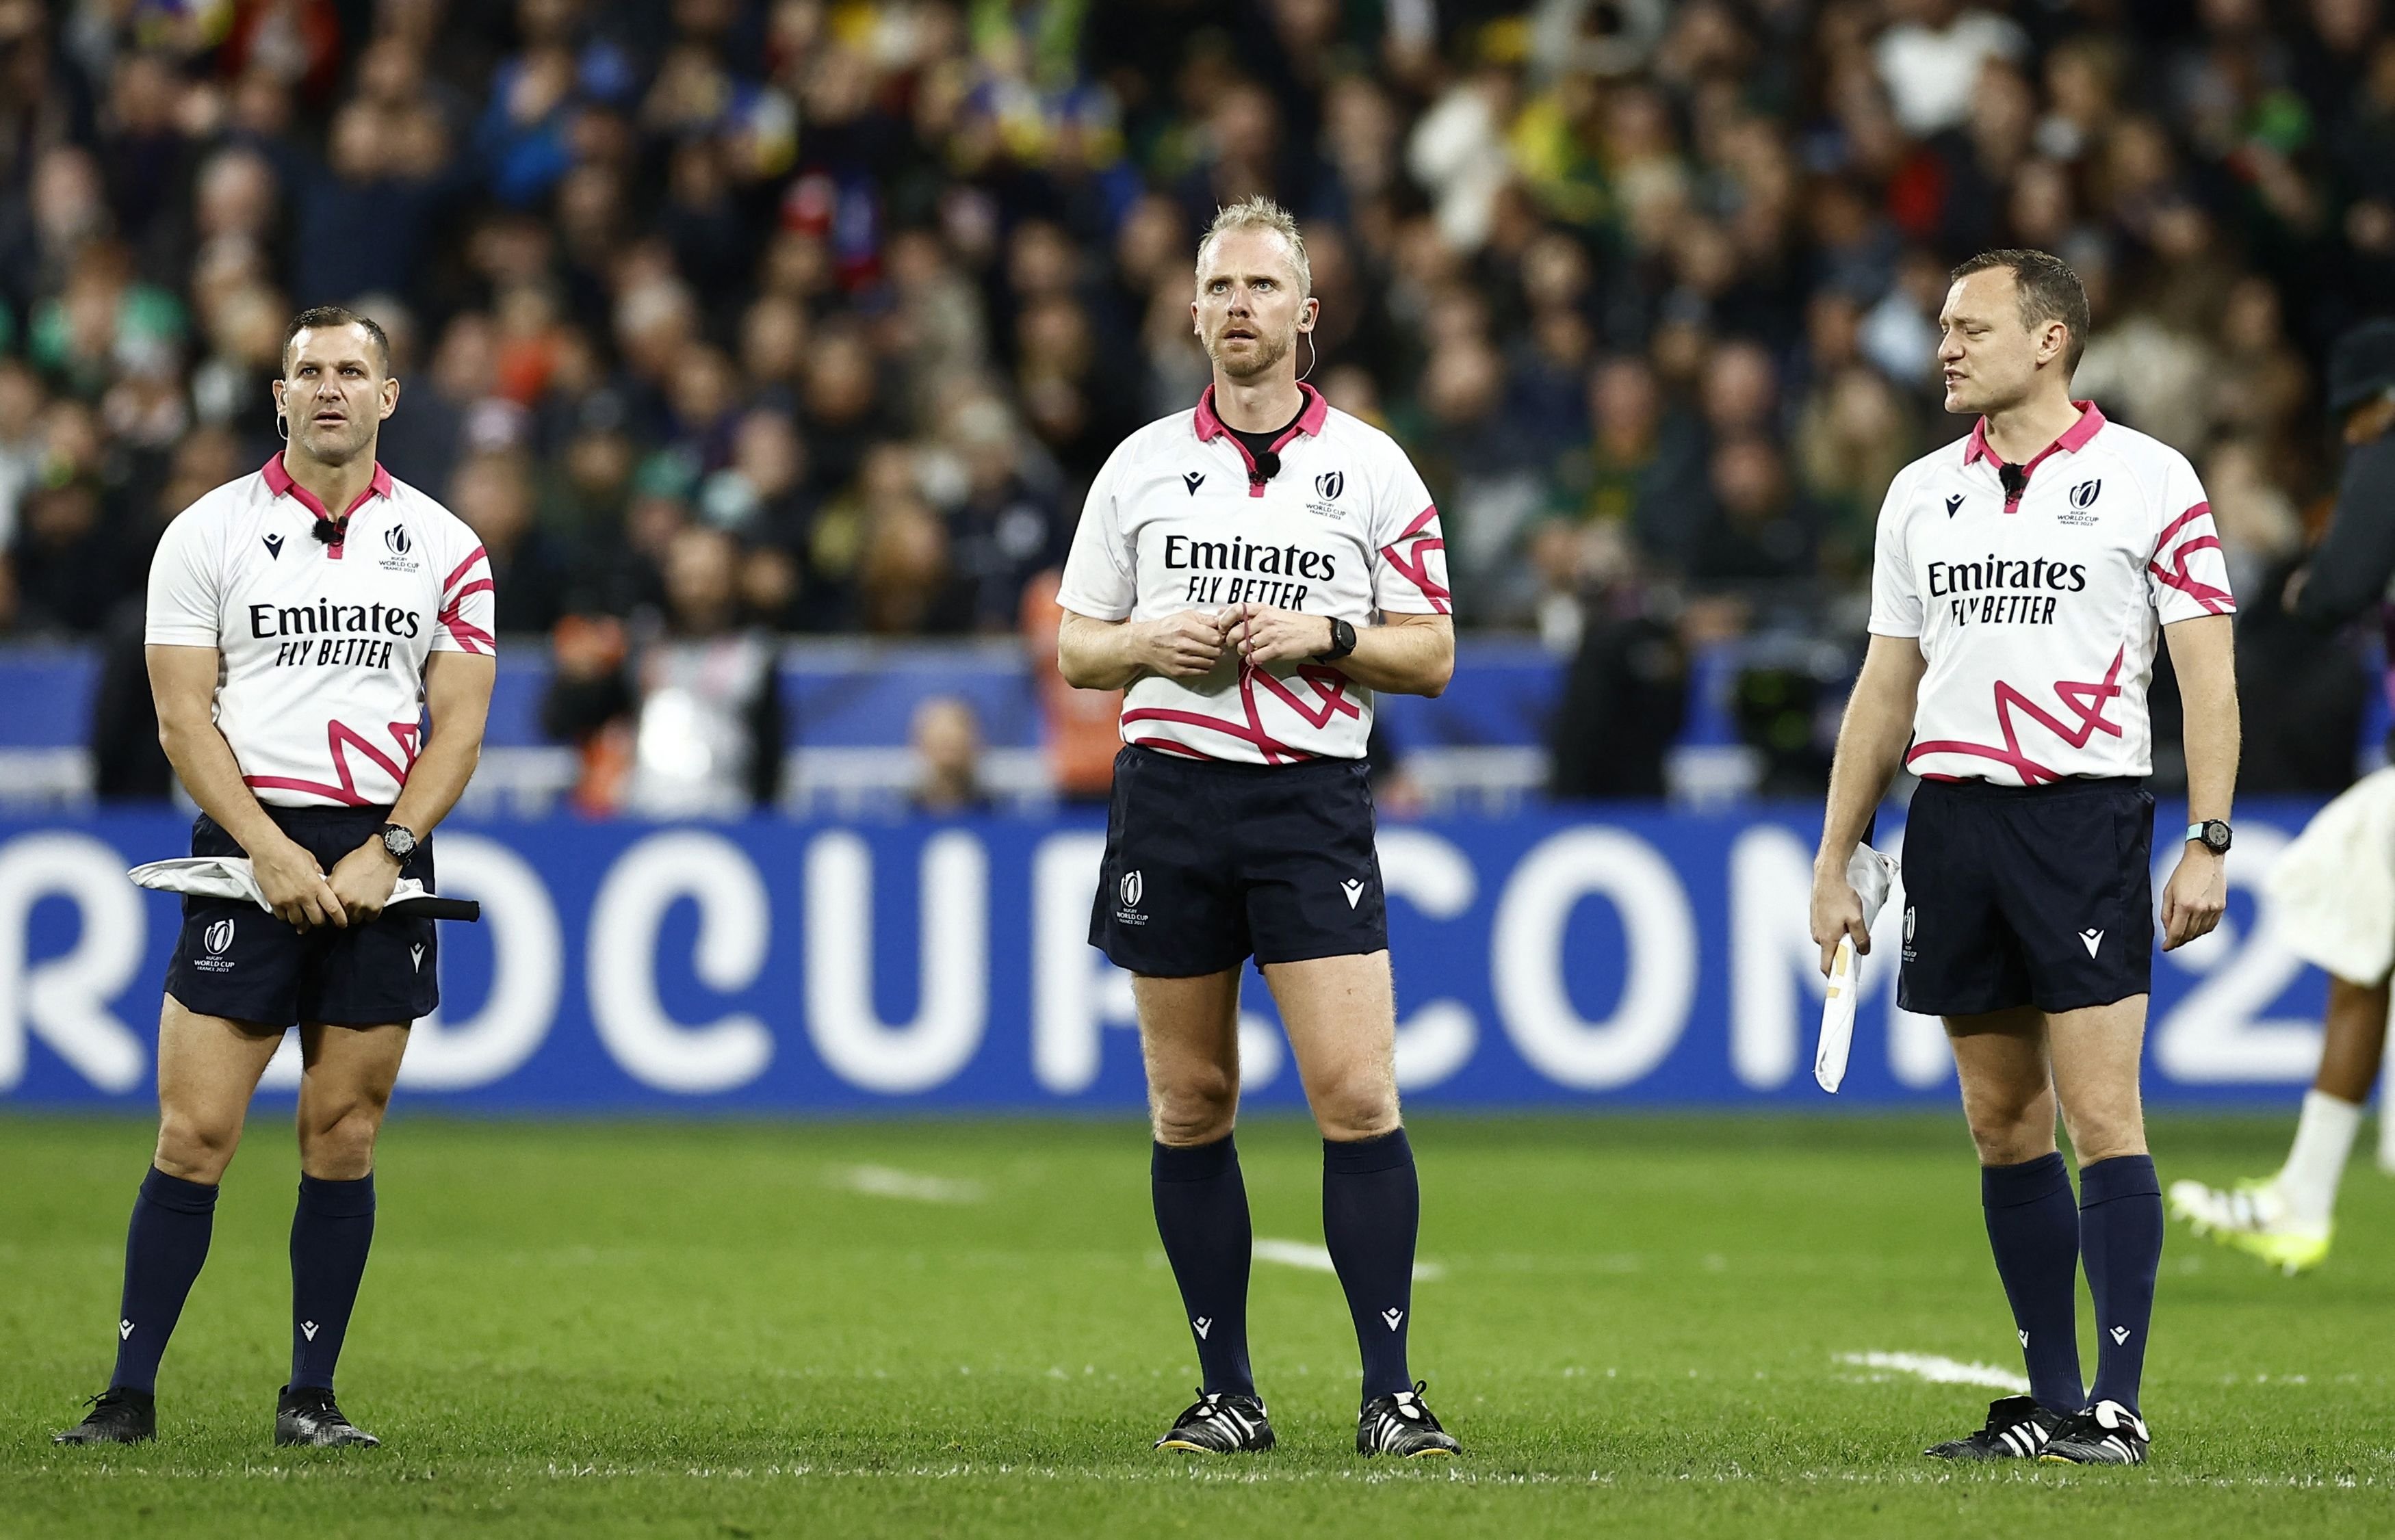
(307, 1330)
(123, 1330)
(1393, 1317)
(2119, 1334)
(1202, 1325)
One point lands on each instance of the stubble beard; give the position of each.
(338, 447)
(1270, 351)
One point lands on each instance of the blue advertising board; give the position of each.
(1612, 957)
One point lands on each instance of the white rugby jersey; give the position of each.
(1178, 520)
(319, 689)
(2039, 616)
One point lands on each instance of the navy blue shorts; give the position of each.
(1208, 864)
(2027, 896)
(236, 960)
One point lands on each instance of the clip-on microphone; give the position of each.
(2016, 481)
(1267, 466)
(330, 532)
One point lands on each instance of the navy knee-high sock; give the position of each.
(331, 1230)
(2033, 1230)
(164, 1248)
(1202, 1212)
(2121, 1234)
(1371, 1209)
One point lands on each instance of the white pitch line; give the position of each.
(888, 1182)
(1941, 1371)
(1297, 1254)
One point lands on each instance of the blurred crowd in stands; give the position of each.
(783, 316)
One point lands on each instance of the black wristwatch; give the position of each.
(1342, 641)
(399, 839)
(2212, 834)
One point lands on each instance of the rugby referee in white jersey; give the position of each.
(1253, 569)
(2023, 578)
(303, 623)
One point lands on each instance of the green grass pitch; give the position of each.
(1637, 1325)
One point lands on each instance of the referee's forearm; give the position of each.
(1871, 745)
(2211, 739)
(2203, 655)
(204, 764)
(1402, 660)
(1096, 654)
(434, 783)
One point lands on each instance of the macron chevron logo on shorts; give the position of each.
(1354, 889)
(2091, 940)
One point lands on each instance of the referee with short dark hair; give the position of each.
(2022, 582)
(1252, 570)
(304, 622)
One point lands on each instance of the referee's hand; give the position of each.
(2194, 898)
(1262, 634)
(1837, 914)
(296, 889)
(363, 881)
(1182, 646)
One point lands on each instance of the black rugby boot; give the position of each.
(117, 1416)
(2018, 1429)
(1221, 1422)
(1401, 1425)
(311, 1416)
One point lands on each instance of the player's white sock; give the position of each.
(2324, 1139)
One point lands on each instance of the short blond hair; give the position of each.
(1262, 213)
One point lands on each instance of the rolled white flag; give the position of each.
(1870, 874)
(234, 877)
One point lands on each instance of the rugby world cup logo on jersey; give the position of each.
(1326, 488)
(1129, 891)
(2082, 502)
(402, 546)
(217, 939)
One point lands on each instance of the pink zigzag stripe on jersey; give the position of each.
(1330, 692)
(1168, 746)
(1418, 571)
(452, 617)
(2219, 601)
(478, 554)
(2086, 701)
(336, 734)
(1256, 736)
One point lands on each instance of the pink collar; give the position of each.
(279, 482)
(1309, 419)
(2073, 440)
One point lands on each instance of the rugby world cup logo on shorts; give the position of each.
(217, 938)
(1326, 487)
(1127, 894)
